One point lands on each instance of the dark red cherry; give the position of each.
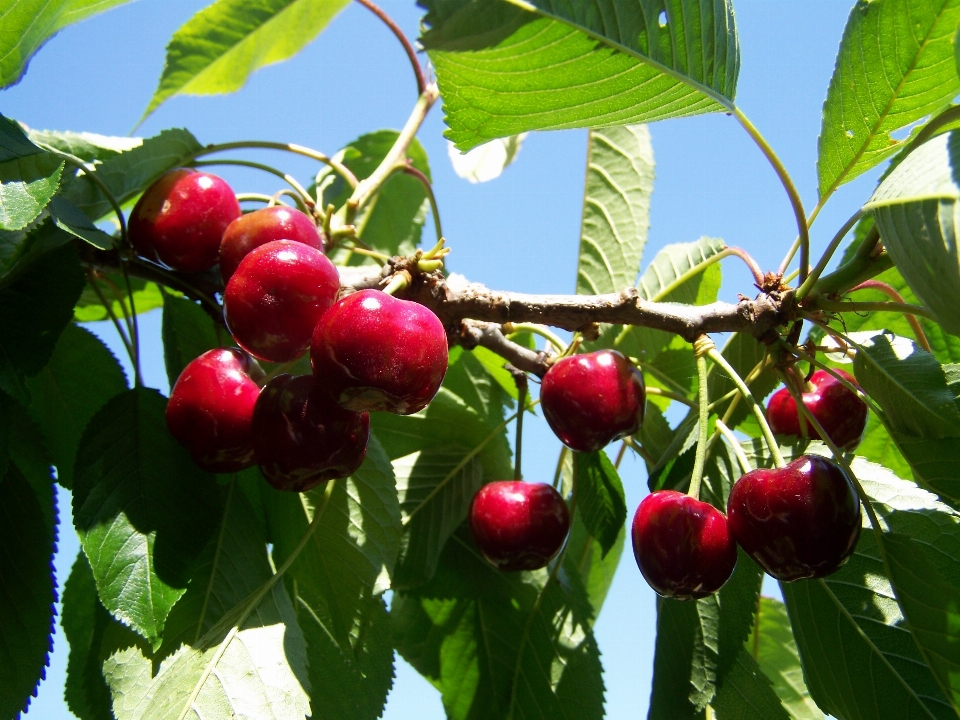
(683, 546)
(302, 438)
(275, 298)
(210, 410)
(372, 351)
(801, 521)
(181, 218)
(518, 525)
(591, 399)
(842, 414)
(260, 227)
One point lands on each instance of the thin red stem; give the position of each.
(751, 263)
(897, 297)
(407, 46)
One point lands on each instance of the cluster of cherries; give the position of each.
(799, 521)
(369, 351)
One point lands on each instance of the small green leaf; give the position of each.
(27, 588)
(26, 186)
(187, 331)
(894, 67)
(68, 218)
(218, 49)
(129, 173)
(35, 307)
(144, 512)
(505, 69)
(392, 222)
(81, 376)
(600, 497)
(28, 24)
(772, 645)
(616, 208)
(13, 141)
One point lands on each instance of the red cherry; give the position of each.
(837, 408)
(275, 298)
(800, 521)
(518, 525)
(683, 546)
(211, 410)
(180, 219)
(260, 227)
(302, 438)
(591, 399)
(373, 351)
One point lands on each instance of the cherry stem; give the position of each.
(660, 375)
(302, 196)
(512, 329)
(113, 316)
(335, 165)
(520, 378)
(379, 257)
(407, 45)
(672, 396)
(748, 259)
(897, 297)
(399, 281)
(257, 197)
(815, 274)
(842, 380)
(428, 186)
(640, 450)
(795, 202)
(136, 330)
(752, 402)
(851, 306)
(559, 471)
(623, 451)
(735, 444)
(701, 457)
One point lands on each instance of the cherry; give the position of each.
(302, 438)
(260, 227)
(799, 521)
(179, 220)
(211, 409)
(683, 546)
(591, 399)
(518, 525)
(837, 408)
(276, 296)
(377, 352)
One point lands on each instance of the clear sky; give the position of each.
(519, 232)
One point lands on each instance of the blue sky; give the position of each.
(519, 232)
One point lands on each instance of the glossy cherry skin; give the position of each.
(518, 525)
(180, 219)
(260, 227)
(372, 351)
(837, 408)
(210, 411)
(591, 399)
(683, 546)
(275, 298)
(302, 438)
(801, 521)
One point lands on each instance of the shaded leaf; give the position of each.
(746, 693)
(68, 218)
(218, 49)
(612, 63)
(596, 568)
(14, 142)
(600, 497)
(144, 512)
(616, 208)
(187, 332)
(81, 376)
(26, 186)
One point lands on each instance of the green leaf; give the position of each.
(501, 644)
(26, 186)
(34, 309)
(28, 24)
(895, 66)
(84, 621)
(878, 446)
(19, 249)
(27, 588)
(252, 662)
(335, 584)
(392, 222)
(147, 296)
(218, 49)
(13, 141)
(596, 568)
(772, 645)
(505, 69)
(81, 376)
(142, 509)
(746, 693)
(187, 332)
(126, 175)
(915, 209)
(89, 147)
(616, 208)
(909, 385)
(600, 497)
(67, 217)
